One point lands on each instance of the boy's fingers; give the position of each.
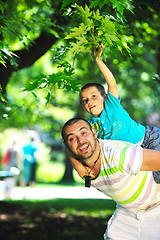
(102, 46)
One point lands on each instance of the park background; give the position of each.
(40, 82)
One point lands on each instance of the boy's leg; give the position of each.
(152, 141)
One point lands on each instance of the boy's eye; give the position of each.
(85, 101)
(94, 96)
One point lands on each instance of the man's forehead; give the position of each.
(76, 127)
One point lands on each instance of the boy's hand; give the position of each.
(98, 53)
(84, 172)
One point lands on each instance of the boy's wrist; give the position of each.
(99, 60)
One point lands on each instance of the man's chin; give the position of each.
(85, 156)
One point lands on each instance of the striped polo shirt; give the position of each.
(121, 179)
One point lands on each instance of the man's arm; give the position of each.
(151, 160)
(111, 82)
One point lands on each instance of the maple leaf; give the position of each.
(85, 12)
(108, 25)
(76, 31)
(97, 16)
(113, 37)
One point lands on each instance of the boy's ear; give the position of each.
(105, 95)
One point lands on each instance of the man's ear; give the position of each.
(65, 144)
(94, 132)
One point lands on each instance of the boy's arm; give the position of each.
(151, 160)
(111, 82)
(79, 167)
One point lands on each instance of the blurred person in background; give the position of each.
(29, 164)
(11, 163)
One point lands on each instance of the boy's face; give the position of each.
(93, 101)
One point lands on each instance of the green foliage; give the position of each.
(21, 22)
(49, 172)
(96, 28)
(118, 5)
(64, 79)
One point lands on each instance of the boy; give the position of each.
(110, 120)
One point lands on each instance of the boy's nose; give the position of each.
(89, 102)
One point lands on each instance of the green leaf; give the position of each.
(35, 96)
(108, 26)
(2, 7)
(65, 4)
(2, 62)
(76, 31)
(78, 47)
(98, 3)
(97, 16)
(112, 38)
(48, 98)
(84, 12)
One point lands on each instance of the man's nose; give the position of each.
(79, 139)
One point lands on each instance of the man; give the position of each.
(122, 171)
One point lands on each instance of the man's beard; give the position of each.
(88, 155)
(82, 157)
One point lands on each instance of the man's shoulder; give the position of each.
(114, 143)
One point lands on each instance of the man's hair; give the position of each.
(69, 123)
(99, 87)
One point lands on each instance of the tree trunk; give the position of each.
(68, 174)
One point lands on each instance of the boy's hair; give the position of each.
(99, 87)
(69, 123)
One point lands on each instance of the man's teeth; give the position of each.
(84, 147)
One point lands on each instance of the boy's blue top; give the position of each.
(115, 123)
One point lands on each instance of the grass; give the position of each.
(82, 207)
(58, 219)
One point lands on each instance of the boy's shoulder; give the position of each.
(110, 96)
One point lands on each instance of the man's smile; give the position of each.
(84, 147)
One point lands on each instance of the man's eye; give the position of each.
(94, 96)
(83, 133)
(71, 139)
